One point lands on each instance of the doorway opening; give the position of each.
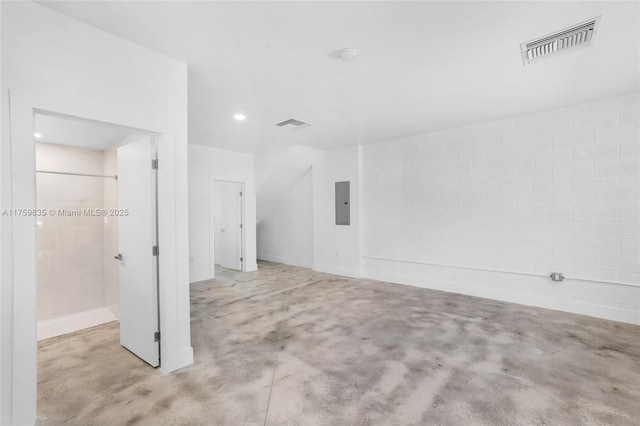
(227, 212)
(96, 230)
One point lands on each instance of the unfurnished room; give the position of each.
(320, 213)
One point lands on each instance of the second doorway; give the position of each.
(227, 212)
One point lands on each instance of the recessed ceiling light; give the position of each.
(37, 135)
(239, 117)
(349, 54)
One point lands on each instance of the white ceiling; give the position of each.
(423, 66)
(81, 134)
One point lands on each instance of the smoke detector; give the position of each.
(349, 54)
(293, 123)
(580, 35)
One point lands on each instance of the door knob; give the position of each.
(118, 257)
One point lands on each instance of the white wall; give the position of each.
(555, 191)
(285, 234)
(336, 248)
(6, 311)
(205, 165)
(54, 63)
(277, 170)
(70, 254)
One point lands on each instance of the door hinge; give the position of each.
(241, 260)
(241, 193)
(154, 164)
(240, 226)
(156, 336)
(156, 250)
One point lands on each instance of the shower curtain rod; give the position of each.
(77, 174)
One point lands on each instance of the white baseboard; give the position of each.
(270, 258)
(186, 356)
(336, 270)
(196, 278)
(184, 359)
(283, 260)
(70, 323)
(610, 301)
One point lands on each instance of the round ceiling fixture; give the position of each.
(349, 54)
(239, 117)
(37, 135)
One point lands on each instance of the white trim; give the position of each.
(283, 260)
(176, 341)
(185, 356)
(418, 262)
(621, 304)
(200, 278)
(276, 259)
(336, 270)
(243, 222)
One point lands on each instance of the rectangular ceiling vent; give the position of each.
(293, 123)
(581, 35)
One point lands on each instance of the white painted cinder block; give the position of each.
(630, 246)
(553, 191)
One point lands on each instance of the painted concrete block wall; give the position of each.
(336, 248)
(205, 165)
(70, 255)
(285, 234)
(554, 191)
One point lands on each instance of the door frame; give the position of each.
(19, 302)
(212, 253)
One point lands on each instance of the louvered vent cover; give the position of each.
(293, 123)
(578, 35)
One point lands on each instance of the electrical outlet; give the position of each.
(556, 276)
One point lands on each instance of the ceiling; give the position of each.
(423, 66)
(80, 134)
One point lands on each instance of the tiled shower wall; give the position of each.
(554, 191)
(70, 262)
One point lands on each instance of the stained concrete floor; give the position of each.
(289, 346)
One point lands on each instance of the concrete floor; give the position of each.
(289, 346)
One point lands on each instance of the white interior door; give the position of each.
(227, 223)
(137, 236)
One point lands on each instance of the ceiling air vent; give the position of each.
(581, 35)
(292, 123)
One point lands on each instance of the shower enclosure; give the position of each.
(77, 276)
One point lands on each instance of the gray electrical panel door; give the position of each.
(343, 214)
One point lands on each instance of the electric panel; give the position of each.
(343, 208)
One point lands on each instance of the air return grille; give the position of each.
(293, 123)
(578, 35)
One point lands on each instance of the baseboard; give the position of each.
(337, 270)
(197, 278)
(615, 302)
(70, 323)
(270, 258)
(283, 260)
(185, 358)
